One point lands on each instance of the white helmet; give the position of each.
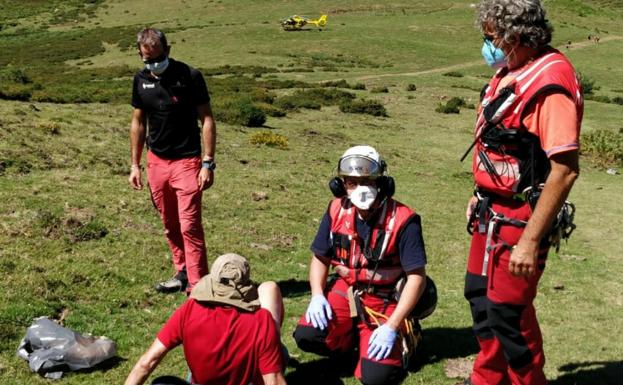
(361, 161)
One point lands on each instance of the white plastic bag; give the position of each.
(51, 349)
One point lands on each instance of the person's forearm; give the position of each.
(274, 379)
(137, 141)
(141, 371)
(146, 364)
(409, 297)
(555, 191)
(318, 272)
(209, 137)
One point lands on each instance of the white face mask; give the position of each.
(363, 196)
(157, 68)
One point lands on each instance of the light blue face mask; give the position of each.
(493, 55)
(157, 67)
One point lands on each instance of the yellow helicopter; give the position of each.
(296, 22)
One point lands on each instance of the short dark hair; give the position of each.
(150, 37)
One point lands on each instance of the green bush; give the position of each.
(411, 87)
(270, 139)
(453, 74)
(14, 75)
(446, 109)
(337, 83)
(239, 111)
(239, 70)
(313, 98)
(379, 90)
(452, 106)
(603, 146)
(271, 110)
(15, 92)
(598, 98)
(617, 100)
(587, 83)
(359, 86)
(363, 106)
(296, 101)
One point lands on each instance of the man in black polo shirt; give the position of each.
(170, 97)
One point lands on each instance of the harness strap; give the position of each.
(494, 221)
(409, 336)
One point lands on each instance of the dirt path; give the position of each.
(454, 67)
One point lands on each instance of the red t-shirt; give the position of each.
(223, 345)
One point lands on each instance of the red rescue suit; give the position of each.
(379, 278)
(381, 246)
(502, 164)
(508, 160)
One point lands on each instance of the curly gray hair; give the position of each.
(516, 19)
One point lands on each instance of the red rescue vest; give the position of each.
(507, 158)
(349, 250)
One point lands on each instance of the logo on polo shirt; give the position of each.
(148, 85)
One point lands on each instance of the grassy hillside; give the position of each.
(77, 243)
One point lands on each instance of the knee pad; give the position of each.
(312, 340)
(375, 373)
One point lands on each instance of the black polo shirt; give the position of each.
(170, 103)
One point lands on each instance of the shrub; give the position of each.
(452, 106)
(293, 102)
(15, 92)
(15, 75)
(271, 110)
(313, 98)
(598, 98)
(617, 100)
(369, 107)
(446, 109)
(269, 139)
(587, 83)
(411, 87)
(359, 86)
(604, 146)
(453, 74)
(239, 111)
(339, 83)
(379, 90)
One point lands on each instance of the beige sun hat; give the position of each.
(229, 283)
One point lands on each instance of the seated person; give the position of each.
(229, 329)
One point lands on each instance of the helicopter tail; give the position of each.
(320, 22)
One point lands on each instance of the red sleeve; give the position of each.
(171, 333)
(554, 119)
(269, 344)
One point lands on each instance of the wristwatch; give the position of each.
(209, 164)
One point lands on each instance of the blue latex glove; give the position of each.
(381, 342)
(319, 312)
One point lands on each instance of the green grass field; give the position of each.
(77, 242)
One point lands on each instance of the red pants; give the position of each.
(344, 332)
(504, 319)
(174, 190)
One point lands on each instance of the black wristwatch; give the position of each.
(209, 164)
